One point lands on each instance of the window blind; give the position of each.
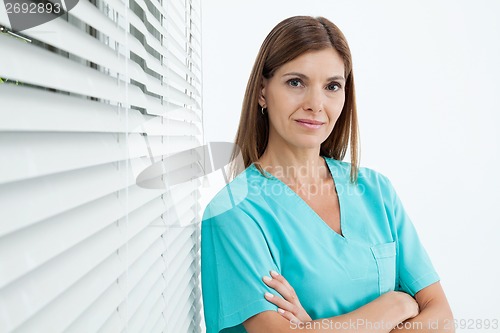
(87, 102)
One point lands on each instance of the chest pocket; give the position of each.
(385, 256)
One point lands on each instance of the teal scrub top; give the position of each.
(257, 224)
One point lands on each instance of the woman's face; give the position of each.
(304, 99)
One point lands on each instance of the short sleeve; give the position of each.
(414, 267)
(235, 255)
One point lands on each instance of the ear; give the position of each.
(262, 94)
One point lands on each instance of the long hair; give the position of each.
(289, 39)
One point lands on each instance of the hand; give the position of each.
(412, 306)
(405, 302)
(289, 306)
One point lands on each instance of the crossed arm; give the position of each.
(394, 312)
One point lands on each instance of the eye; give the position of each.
(294, 82)
(334, 86)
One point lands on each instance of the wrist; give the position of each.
(402, 305)
(407, 304)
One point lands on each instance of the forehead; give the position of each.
(327, 61)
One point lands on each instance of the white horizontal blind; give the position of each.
(87, 103)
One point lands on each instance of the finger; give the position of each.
(281, 278)
(289, 316)
(287, 285)
(280, 302)
(277, 285)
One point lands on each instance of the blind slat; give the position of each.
(27, 249)
(76, 300)
(86, 185)
(112, 91)
(153, 316)
(57, 72)
(78, 261)
(28, 109)
(113, 324)
(99, 312)
(55, 152)
(142, 300)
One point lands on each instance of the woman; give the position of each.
(341, 253)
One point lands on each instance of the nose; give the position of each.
(313, 100)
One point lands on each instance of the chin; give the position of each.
(308, 144)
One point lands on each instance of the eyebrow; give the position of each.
(305, 77)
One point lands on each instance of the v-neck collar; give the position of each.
(338, 186)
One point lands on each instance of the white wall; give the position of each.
(428, 81)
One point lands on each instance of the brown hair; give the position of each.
(289, 39)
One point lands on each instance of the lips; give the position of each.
(309, 124)
(309, 121)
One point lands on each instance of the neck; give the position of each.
(295, 166)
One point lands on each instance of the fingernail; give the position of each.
(267, 279)
(281, 311)
(268, 295)
(274, 274)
